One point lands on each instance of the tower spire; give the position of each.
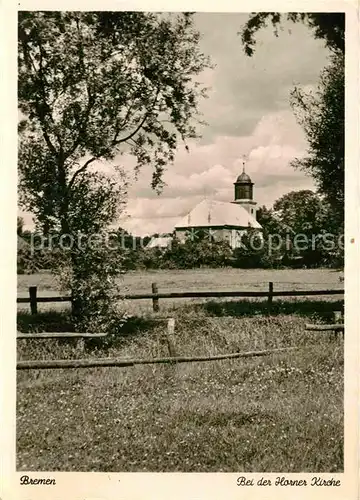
(244, 191)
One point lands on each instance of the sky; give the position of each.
(248, 116)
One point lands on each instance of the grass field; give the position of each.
(214, 279)
(280, 413)
(194, 279)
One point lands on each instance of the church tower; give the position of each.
(244, 193)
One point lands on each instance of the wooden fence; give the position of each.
(34, 299)
(174, 356)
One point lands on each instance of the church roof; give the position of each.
(210, 213)
(159, 242)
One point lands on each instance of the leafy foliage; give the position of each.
(309, 219)
(198, 253)
(193, 253)
(300, 211)
(91, 276)
(268, 220)
(329, 27)
(20, 226)
(299, 230)
(249, 254)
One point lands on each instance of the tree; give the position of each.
(198, 251)
(93, 85)
(321, 114)
(329, 27)
(300, 211)
(322, 117)
(25, 234)
(249, 254)
(266, 218)
(306, 227)
(20, 226)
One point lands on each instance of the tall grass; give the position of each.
(281, 413)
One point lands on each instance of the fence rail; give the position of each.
(174, 356)
(34, 299)
(101, 362)
(59, 335)
(326, 328)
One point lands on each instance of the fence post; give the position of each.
(80, 344)
(170, 337)
(337, 319)
(155, 300)
(33, 299)
(270, 296)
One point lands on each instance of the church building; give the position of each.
(222, 220)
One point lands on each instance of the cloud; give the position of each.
(246, 88)
(210, 170)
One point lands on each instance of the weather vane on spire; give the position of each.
(243, 162)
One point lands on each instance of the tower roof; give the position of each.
(243, 178)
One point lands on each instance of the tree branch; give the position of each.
(81, 169)
(85, 118)
(47, 107)
(91, 99)
(118, 129)
(30, 65)
(115, 142)
(134, 132)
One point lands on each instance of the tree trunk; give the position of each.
(78, 301)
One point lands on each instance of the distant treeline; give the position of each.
(278, 245)
(299, 231)
(257, 251)
(195, 254)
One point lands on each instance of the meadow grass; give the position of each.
(280, 413)
(174, 280)
(203, 279)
